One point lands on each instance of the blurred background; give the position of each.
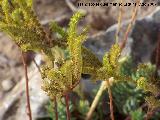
(141, 46)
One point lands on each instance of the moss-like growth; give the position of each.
(110, 64)
(18, 20)
(59, 81)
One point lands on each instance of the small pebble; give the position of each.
(7, 84)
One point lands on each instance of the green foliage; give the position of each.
(110, 64)
(144, 78)
(90, 63)
(127, 96)
(81, 108)
(145, 81)
(59, 81)
(144, 70)
(56, 28)
(126, 66)
(19, 21)
(137, 115)
(67, 59)
(61, 108)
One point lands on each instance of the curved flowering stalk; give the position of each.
(110, 70)
(90, 61)
(58, 81)
(110, 64)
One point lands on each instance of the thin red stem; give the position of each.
(29, 112)
(55, 108)
(133, 18)
(67, 107)
(158, 54)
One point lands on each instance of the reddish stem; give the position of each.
(67, 107)
(158, 54)
(55, 108)
(133, 18)
(29, 112)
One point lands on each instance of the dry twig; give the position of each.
(120, 16)
(96, 100)
(133, 18)
(73, 8)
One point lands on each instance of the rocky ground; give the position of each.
(101, 20)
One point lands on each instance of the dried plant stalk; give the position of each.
(96, 100)
(120, 16)
(133, 18)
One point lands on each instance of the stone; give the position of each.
(145, 38)
(9, 49)
(7, 85)
(13, 106)
(141, 41)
